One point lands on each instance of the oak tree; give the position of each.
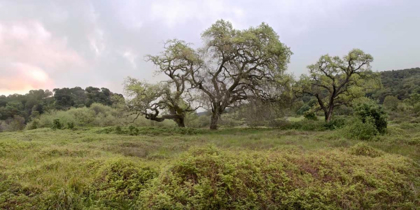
(336, 81)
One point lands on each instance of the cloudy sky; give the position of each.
(46, 44)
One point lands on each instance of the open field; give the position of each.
(231, 168)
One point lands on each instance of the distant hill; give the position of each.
(399, 83)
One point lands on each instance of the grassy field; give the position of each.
(167, 168)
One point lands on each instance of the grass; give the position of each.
(97, 168)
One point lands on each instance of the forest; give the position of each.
(229, 128)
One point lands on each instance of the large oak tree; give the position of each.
(232, 66)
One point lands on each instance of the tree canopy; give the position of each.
(336, 81)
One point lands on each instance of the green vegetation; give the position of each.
(260, 144)
(165, 168)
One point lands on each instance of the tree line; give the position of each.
(36, 102)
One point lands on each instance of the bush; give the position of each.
(133, 130)
(335, 123)
(374, 113)
(310, 116)
(361, 130)
(34, 124)
(118, 130)
(57, 124)
(70, 125)
(365, 150)
(306, 125)
(416, 109)
(208, 178)
(119, 182)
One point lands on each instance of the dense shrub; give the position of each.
(213, 179)
(335, 123)
(119, 182)
(96, 115)
(374, 113)
(57, 124)
(310, 116)
(365, 150)
(357, 129)
(34, 124)
(70, 125)
(306, 125)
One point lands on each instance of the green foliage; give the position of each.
(154, 131)
(133, 130)
(304, 125)
(398, 83)
(416, 108)
(391, 103)
(372, 113)
(118, 130)
(365, 150)
(360, 130)
(34, 124)
(70, 125)
(119, 182)
(95, 115)
(334, 81)
(56, 124)
(335, 123)
(310, 116)
(208, 178)
(249, 169)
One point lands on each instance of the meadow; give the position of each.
(186, 168)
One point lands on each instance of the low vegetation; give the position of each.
(178, 168)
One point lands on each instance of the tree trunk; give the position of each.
(180, 122)
(214, 120)
(328, 114)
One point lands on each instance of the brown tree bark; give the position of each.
(214, 120)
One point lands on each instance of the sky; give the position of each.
(52, 44)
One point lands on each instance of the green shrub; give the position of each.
(57, 124)
(119, 182)
(310, 116)
(416, 108)
(212, 179)
(361, 130)
(133, 130)
(34, 124)
(365, 150)
(118, 130)
(371, 111)
(335, 123)
(70, 125)
(306, 125)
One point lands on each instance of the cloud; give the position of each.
(99, 43)
(29, 55)
(19, 77)
(174, 12)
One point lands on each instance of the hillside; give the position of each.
(399, 83)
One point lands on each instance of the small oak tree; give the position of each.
(336, 81)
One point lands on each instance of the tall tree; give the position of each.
(233, 65)
(336, 81)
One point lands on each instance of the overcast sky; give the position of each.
(46, 44)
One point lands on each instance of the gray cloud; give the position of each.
(46, 44)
